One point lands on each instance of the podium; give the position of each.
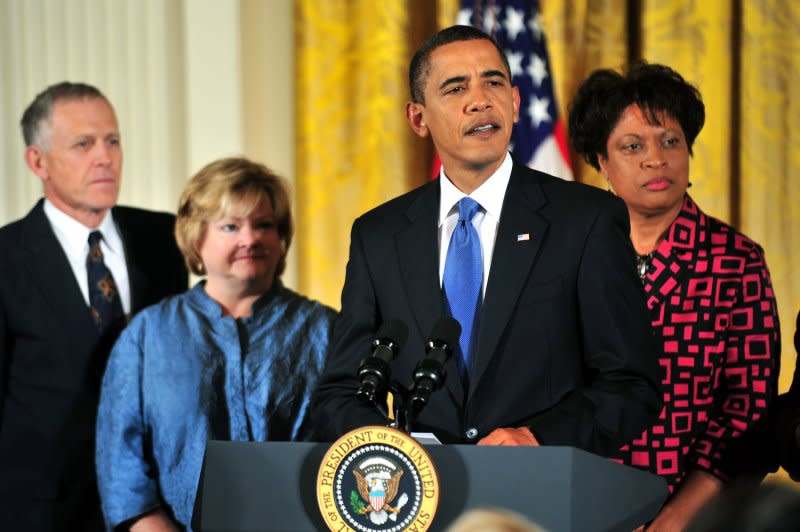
(271, 486)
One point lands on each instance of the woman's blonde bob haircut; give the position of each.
(233, 186)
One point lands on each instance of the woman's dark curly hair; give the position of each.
(655, 89)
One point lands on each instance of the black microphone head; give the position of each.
(429, 374)
(395, 331)
(446, 331)
(374, 371)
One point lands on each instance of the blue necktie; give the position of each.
(463, 277)
(105, 304)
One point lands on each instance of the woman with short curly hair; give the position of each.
(707, 285)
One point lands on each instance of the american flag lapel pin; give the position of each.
(523, 237)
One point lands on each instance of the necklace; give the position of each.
(643, 263)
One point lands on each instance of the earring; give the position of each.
(689, 185)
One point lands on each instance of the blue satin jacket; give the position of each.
(182, 374)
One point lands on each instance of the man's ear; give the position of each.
(36, 162)
(416, 118)
(515, 100)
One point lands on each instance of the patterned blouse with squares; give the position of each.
(711, 302)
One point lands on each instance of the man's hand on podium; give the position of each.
(510, 436)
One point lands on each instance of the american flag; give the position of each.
(539, 138)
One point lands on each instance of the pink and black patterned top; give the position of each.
(711, 301)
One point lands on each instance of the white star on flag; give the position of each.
(515, 62)
(537, 70)
(489, 18)
(515, 22)
(464, 17)
(538, 111)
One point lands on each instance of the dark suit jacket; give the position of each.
(772, 443)
(785, 422)
(564, 345)
(52, 360)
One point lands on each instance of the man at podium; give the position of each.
(555, 346)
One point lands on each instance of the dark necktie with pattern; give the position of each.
(104, 301)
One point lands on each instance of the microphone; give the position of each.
(374, 370)
(429, 374)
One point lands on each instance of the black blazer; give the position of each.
(52, 360)
(564, 344)
(787, 418)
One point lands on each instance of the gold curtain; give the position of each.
(351, 61)
(769, 151)
(582, 36)
(694, 38)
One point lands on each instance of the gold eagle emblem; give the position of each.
(392, 486)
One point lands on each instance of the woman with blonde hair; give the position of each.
(234, 358)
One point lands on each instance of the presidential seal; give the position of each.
(377, 479)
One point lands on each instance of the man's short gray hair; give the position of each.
(35, 119)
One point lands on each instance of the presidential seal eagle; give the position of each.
(378, 481)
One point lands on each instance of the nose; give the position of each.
(249, 236)
(655, 159)
(479, 101)
(103, 153)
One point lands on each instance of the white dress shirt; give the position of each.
(74, 239)
(490, 196)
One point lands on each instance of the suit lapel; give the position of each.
(140, 285)
(43, 256)
(513, 257)
(418, 253)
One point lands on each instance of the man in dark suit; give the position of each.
(560, 349)
(62, 303)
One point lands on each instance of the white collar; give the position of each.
(490, 194)
(75, 235)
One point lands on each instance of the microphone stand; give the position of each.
(406, 403)
(382, 410)
(410, 417)
(401, 399)
(400, 396)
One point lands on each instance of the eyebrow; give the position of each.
(93, 135)
(493, 74)
(484, 75)
(450, 81)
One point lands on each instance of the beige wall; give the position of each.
(191, 81)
